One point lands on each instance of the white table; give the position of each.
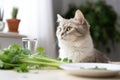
(46, 75)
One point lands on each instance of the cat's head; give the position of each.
(72, 29)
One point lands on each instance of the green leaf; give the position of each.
(70, 60)
(65, 60)
(40, 52)
(22, 68)
(59, 59)
(40, 49)
(14, 46)
(1, 64)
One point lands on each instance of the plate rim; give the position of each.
(72, 71)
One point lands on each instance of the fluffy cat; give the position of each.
(75, 42)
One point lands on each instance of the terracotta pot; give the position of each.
(13, 25)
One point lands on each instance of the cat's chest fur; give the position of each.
(77, 50)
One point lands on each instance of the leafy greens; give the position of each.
(22, 59)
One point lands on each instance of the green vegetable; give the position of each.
(98, 68)
(22, 60)
(65, 60)
(14, 12)
(94, 68)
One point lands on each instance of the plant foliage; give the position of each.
(14, 12)
(23, 60)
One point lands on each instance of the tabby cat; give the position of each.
(75, 41)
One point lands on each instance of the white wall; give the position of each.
(45, 29)
(27, 13)
(36, 21)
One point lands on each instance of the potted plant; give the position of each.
(2, 24)
(103, 20)
(13, 23)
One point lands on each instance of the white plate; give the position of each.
(85, 69)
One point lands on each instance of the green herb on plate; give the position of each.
(94, 68)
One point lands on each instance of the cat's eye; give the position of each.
(68, 28)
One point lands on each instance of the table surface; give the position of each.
(46, 75)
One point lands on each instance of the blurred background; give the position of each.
(38, 20)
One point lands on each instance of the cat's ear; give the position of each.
(59, 18)
(79, 17)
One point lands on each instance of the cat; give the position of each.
(75, 42)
